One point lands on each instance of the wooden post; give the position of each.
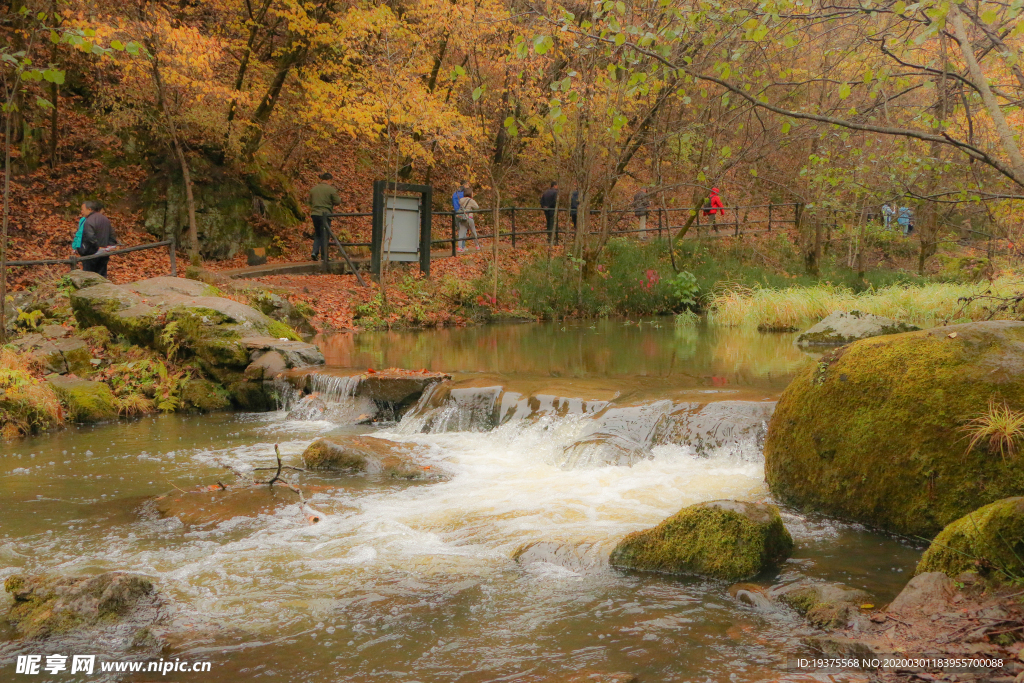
(661, 210)
(455, 235)
(769, 216)
(513, 210)
(736, 229)
(173, 257)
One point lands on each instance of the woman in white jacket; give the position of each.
(465, 218)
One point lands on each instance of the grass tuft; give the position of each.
(1000, 428)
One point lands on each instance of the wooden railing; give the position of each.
(72, 261)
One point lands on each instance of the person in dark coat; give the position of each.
(323, 197)
(97, 235)
(548, 201)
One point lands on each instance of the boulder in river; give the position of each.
(366, 455)
(215, 504)
(575, 557)
(723, 539)
(841, 327)
(989, 540)
(46, 606)
(873, 433)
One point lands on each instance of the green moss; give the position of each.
(98, 335)
(85, 401)
(204, 396)
(989, 541)
(78, 361)
(872, 433)
(281, 331)
(251, 396)
(721, 539)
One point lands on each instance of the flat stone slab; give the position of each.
(841, 327)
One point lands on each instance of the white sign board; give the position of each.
(401, 229)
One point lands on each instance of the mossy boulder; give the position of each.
(841, 327)
(723, 539)
(46, 606)
(204, 396)
(367, 455)
(824, 605)
(84, 400)
(989, 541)
(873, 433)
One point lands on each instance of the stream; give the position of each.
(406, 582)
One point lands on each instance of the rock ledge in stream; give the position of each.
(234, 344)
(46, 606)
(366, 455)
(824, 605)
(722, 539)
(841, 328)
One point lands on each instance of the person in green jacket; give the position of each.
(322, 200)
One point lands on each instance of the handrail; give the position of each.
(71, 261)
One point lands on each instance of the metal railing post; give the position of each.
(173, 257)
(513, 210)
(769, 216)
(736, 229)
(455, 235)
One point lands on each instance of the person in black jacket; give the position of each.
(548, 201)
(97, 235)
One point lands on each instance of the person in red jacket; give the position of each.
(715, 208)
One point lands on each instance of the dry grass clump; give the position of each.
(1000, 429)
(795, 307)
(27, 405)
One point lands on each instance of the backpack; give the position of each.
(456, 196)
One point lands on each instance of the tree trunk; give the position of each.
(3, 233)
(193, 231)
(987, 97)
(254, 134)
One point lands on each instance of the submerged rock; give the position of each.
(366, 455)
(841, 327)
(85, 400)
(723, 539)
(824, 605)
(216, 505)
(873, 432)
(204, 396)
(989, 540)
(46, 605)
(576, 557)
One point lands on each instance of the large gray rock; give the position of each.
(840, 328)
(825, 605)
(80, 279)
(186, 318)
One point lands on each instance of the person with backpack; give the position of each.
(715, 207)
(459, 193)
(466, 205)
(323, 197)
(905, 219)
(95, 234)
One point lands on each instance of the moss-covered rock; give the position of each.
(27, 405)
(84, 400)
(366, 455)
(989, 541)
(873, 432)
(723, 539)
(824, 605)
(203, 396)
(47, 605)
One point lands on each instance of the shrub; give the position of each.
(27, 405)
